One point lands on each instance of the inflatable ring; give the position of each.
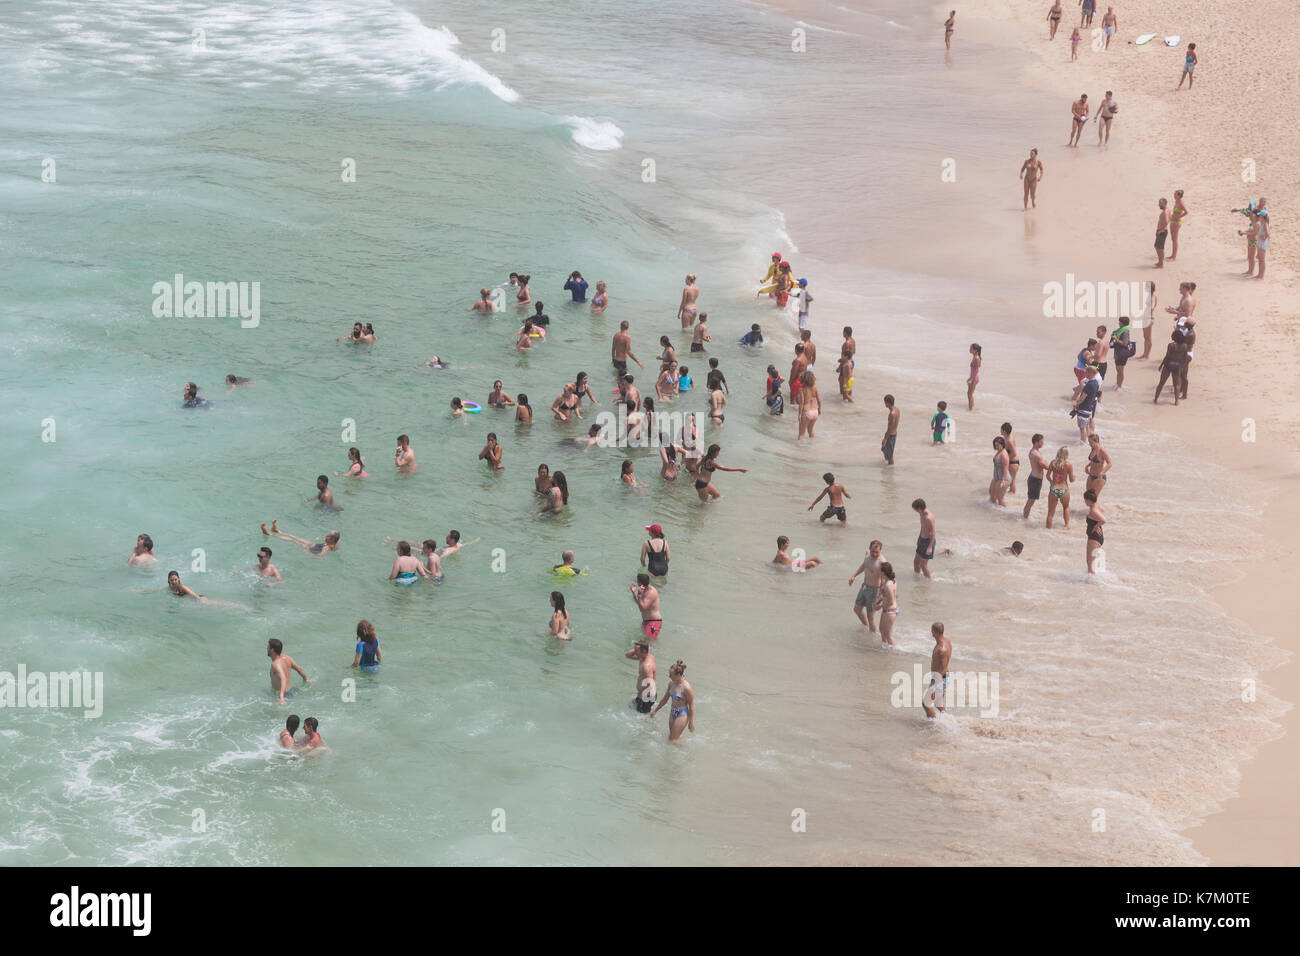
(472, 407)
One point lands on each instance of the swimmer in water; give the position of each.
(286, 735)
(368, 333)
(311, 739)
(794, 564)
(492, 452)
(142, 553)
(483, 303)
(264, 566)
(523, 411)
(192, 399)
(457, 407)
(933, 699)
(593, 437)
(354, 336)
(357, 468)
(499, 397)
(331, 542)
(436, 362)
(432, 562)
(628, 475)
(453, 544)
(324, 495)
(559, 617)
(180, 590)
(234, 381)
(835, 505)
(367, 655)
(557, 495)
(406, 567)
(681, 716)
(567, 569)
(1015, 549)
(687, 308)
(282, 666)
(404, 457)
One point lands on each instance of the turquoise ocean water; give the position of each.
(219, 155)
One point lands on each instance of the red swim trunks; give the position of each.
(652, 628)
(782, 298)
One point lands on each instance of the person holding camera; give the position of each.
(576, 286)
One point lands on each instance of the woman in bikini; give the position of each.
(559, 617)
(682, 714)
(1096, 518)
(887, 602)
(524, 297)
(1001, 465)
(525, 335)
(1054, 18)
(1176, 222)
(1252, 235)
(810, 405)
(600, 301)
(669, 355)
(523, 411)
(358, 467)
(672, 465)
(1150, 320)
(566, 405)
(557, 494)
(704, 473)
(1059, 474)
(687, 309)
(1261, 238)
(582, 388)
(1098, 465)
(1172, 364)
(666, 383)
(976, 360)
(947, 29)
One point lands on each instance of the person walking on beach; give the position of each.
(1059, 475)
(1184, 335)
(998, 486)
(281, 667)
(1031, 173)
(620, 350)
(1098, 465)
(681, 716)
(1013, 457)
(1109, 24)
(1054, 18)
(864, 603)
(1075, 40)
(1079, 114)
(1176, 222)
(936, 694)
(939, 424)
(810, 405)
(887, 602)
(1096, 518)
(646, 598)
(646, 672)
(1261, 235)
(1089, 8)
(891, 430)
(925, 541)
(1037, 466)
(1105, 116)
(835, 506)
(1189, 64)
(976, 360)
(947, 29)
(686, 309)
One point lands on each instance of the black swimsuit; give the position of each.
(707, 469)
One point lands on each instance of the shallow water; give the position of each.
(224, 164)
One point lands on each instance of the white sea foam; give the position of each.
(594, 134)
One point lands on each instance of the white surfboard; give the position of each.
(1173, 40)
(1145, 38)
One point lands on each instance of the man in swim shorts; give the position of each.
(933, 699)
(867, 594)
(1079, 114)
(797, 368)
(925, 541)
(1109, 24)
(1086, 404)
(1036, 468)
(891, 430)
(646, 672)
(835, 506)
(1162, 232)
(281, 665)
(647, 600)
(621, 350)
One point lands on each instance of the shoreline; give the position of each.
(1110, 239)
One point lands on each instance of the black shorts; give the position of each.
(697, 346)
(620, 367)
(1160, 239)
(834, 512)
(1101, 368)
(1121, 359)
(1035, 489)
(644, 706)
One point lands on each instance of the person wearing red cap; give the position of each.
(655, 551)
(768, 282)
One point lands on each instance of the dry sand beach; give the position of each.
(1096, 217)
